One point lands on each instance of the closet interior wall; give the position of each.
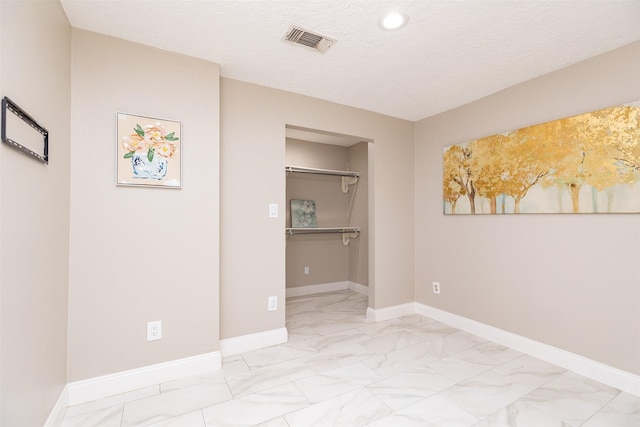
(327, 261)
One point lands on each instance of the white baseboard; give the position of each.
(250, 342)
(388, 313)
(320, 288)
(600, 372)
(357, 287)
(56, 416)
(109, 385)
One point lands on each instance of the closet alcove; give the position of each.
(331, 170)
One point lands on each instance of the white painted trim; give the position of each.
(120, 382)
(357, 287)
(56, 416)
(321, 288)
(600, 372)
(317, 289)
(388, 313)
(250, 342)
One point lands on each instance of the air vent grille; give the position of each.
(302, 37)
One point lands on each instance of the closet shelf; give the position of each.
(298, 169)
(347, 232)
(348, 177)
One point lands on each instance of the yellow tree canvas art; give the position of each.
(583, 164)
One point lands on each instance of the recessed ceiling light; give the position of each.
(393, 20)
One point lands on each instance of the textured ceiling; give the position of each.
(449, 54)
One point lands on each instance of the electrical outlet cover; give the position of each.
(154, 330)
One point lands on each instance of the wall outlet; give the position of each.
(306, 269)
(154, 330)
(272, 304)
(436, 287)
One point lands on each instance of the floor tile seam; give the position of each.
(312, 373)
(401, 328)
(460, 351)
(357, 389)
(92, 413)
(548, 381)
(490, 366)
(496, 367)
(219, 403)
(315, 373)
(302, 394)
(113, 395)
(454, 404)
(330, 347)
(592, 415)
(360, 389)
(506, 405)
(229, 388)
(547, 412)
(326, 336)
(536, 403)
(555, 417)
(371, 385)
(125, 403)
(371, 337)
(204, 421)
(82, 414)
(503, 363)
(309, 403)
(385, 404)
(328, 350)
(601, 408)
(595, 391)
(457, 383)
(276, 362)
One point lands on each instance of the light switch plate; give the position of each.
(273, 210)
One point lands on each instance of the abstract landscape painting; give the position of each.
(583, 164)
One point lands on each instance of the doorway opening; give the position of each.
(328, 213)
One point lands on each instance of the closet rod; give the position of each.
(292, 231)
(298, 169)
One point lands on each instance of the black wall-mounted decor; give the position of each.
(22, 132)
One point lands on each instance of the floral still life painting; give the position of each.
(148, 151)
(582, 164)
(303, 214)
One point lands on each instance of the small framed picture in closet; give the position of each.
(303, 213)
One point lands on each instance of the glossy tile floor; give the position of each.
(339, 370)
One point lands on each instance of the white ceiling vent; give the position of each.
(302, 37)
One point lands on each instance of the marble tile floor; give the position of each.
(340, 370)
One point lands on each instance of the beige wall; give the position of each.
(34, 214)
(327, 258)
(141, 254)
(566, 280)
(325, 255)
(252, 175)
(359, 215)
